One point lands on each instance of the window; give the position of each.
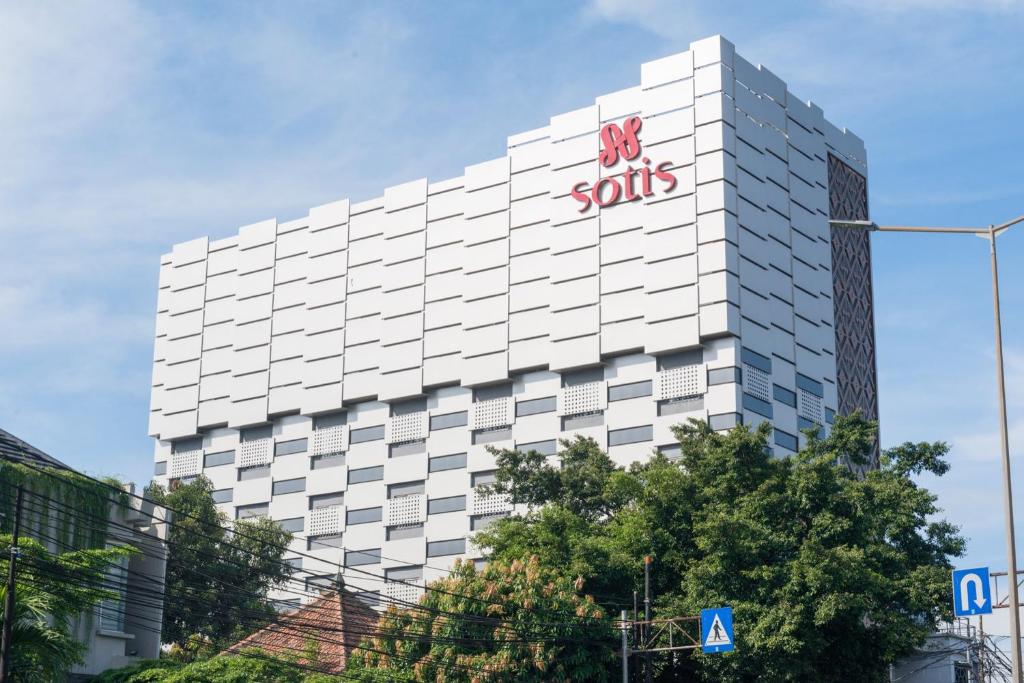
(293, 562)
(289, 447)
(322, 462)
(404, 574)
(410, 488)
(330, 420)
(222, 495)
(961, 672)
(447, 462)
(481, 436)
(680, 405)
(724, 421)
(439, 506)
(535, 406)
(549, 447)
(492, 392)
(366, 434)
(803, 423)
(289, 605)
(812, 385)
(756, 405)
(293, 525)
(356, 558)
(161, 467)
(112, 610)
(194, 443)
(315, 584)
(763, 363)
(478, 522)
(397, 450)
(219, 458)
(830, 415)
(784, 395)
(257, 472)
(619, 437)
(321, 542)
(484, 478)
(448, 420)
(456, 546)
(255, 433)
(416, 405)
(670, 361)
(254, 510)
(582, 421)
(672, 451)
(724, 376)
(326, 500)
(363, 516)
(289, 486)
(621, 392)
(366, 474)
(397, 533)
(785, 439)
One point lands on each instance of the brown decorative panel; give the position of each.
(856, 375)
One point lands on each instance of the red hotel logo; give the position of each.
(622, 142)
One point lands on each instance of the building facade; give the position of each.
(662, 254)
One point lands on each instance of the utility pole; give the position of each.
(5, 644)
(625, 650)
(648, 674)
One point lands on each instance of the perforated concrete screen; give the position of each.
(688, 213)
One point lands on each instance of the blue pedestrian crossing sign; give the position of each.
(972, 592)
(716, 630)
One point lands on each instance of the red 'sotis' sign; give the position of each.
(622, 142)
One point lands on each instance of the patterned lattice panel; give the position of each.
(326, 521)
(497, 412)
(403, 592)
(405, 510)
(809, 406)
(757, 383)
(583, 398)
(681, 382)
(186, 464)
(255, 452)
(489, 504)
(405, 428)
(330, 441)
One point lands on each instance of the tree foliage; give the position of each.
(217, 581)
(511, 621)
(831, 574)
(252, 666)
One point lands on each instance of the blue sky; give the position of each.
(126, 127)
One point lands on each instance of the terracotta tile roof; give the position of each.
(336, 622)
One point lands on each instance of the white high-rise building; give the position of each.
(662, 254)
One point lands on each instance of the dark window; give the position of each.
(404, 574)
(254, 510)
(549, 447)
(194, 443)
(317, 583)
(619, 437)
(397, 450)
(258, 472)
(724, 421)
(416, 405)
(756, 359)
(356, 558)
(582, 421)
(161, 467)
(729, 375)
(366, 434)
(289, 486)
(439, 506)
(448, 420)
(326, 500)
(681, 359)
(534, 406)
(785, 439)
(783, 395)
(222, 495)
(803, 423)
(830, 415)
(456, 546)
(366, 474)
(328, 541)
(219, 458)
(293, 524)
(812, 385)
(680, 405)
(397, 533)
(447, 462)
(254, 433)
(621, 392)
(289, 447)
(293, 562)
(756, 405)
(409, 488)
(671, 451)
(322, 462)
(363, 516)
(481, 436)
(482, 478)
(287, 605)
(492, 392)
(370, 598)
(571, 379)
(478, 522)
(330, 420)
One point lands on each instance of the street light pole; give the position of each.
(990, 233)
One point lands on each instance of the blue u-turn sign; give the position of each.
(972, 593)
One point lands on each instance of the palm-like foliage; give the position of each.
(42, 646)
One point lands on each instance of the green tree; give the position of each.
(511, 621)
(252, 666)
(831, 575)
(53, 592)
(217, 580)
